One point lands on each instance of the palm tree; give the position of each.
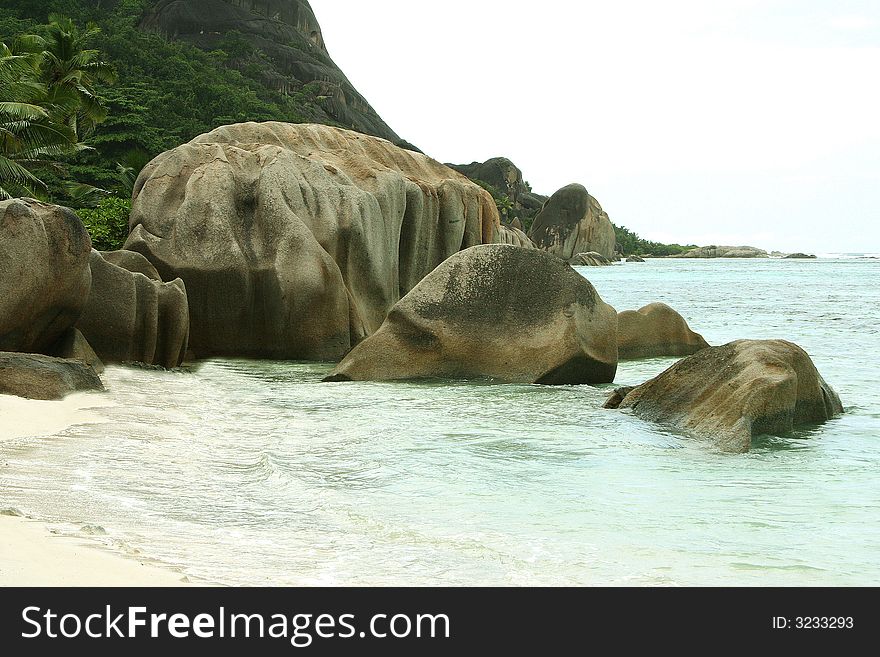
(70, 70)
(27, 132)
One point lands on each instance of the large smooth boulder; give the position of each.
(294, 241)
(573, 222)
(44, 273)
(34, 376)
(727, 395)
(655, 330)
(518, 315)
(130, 317)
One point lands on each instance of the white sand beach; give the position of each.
(26, 418)
(31, 555)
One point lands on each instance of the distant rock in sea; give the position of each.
(635, 258)
(724, 252)
(799, 256)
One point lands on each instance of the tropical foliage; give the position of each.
(629, 243)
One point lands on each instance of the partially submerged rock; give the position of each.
(130, 317)
(655, 330)
(800, 256)
(573, 222)
(44, 273)
(35, 376)
(590, 259)
(727, 395)
(635, 258)
(498, 311)
(294, 241)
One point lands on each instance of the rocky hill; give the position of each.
(284, 38)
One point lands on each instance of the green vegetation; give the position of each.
(629, 243)
(107, 223)
(87, 99)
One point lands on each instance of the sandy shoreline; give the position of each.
(26, 418)
(31, 555)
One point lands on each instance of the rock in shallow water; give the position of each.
(655, 330)
(498, 311)
(43, 377)
(729, 394)
(573, 222)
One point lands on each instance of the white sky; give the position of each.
(726, 122)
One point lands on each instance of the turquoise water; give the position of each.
(255, 473)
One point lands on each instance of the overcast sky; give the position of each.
(727, 122)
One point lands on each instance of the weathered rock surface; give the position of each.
(573, 222)
(498, 311)
(35, 376)
(635, 258)
(655, 330)
(724, 252)
(131, 261)
(514, 237)
(727, 395)
(44, 273)
(287, 33)
(591, 259)
(294, 241)
(130, 317)
(73, 346)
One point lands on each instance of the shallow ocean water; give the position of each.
(255, 473)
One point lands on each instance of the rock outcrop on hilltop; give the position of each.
(35, 376)
(724, 252)
(573, 222)
(727, 395)
(655, 330)
(495, 311)
(44, 273)
(130, 317)
(287, 33)
(503, 176)
(294, 241)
